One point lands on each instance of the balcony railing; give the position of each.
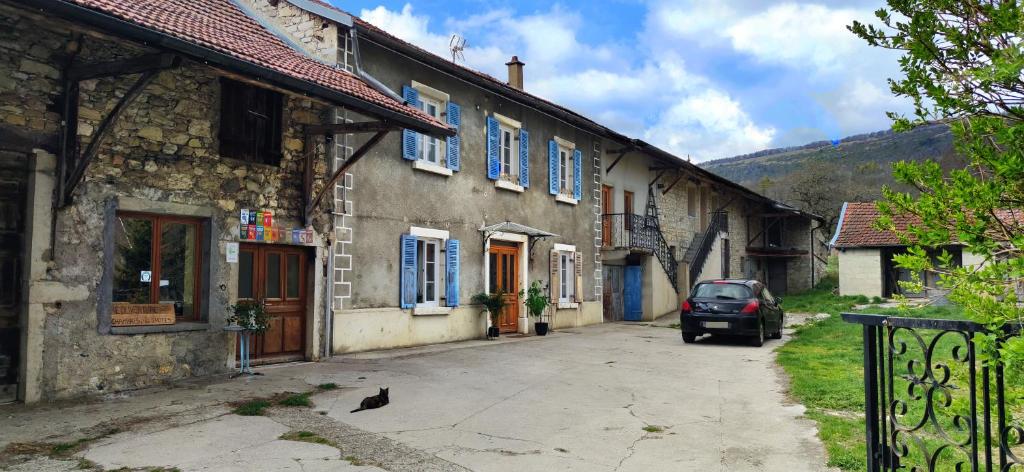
(719, 223)
(638, 232)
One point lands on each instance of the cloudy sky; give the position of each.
(708, 79)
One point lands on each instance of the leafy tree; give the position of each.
(962, 63)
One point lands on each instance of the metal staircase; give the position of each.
(700, 249)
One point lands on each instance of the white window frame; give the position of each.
(508, 152)
(509, 172)
(431, 96)
(566, 179)
(424, 246)
(566, 277)
(440, 238)
(428, 142)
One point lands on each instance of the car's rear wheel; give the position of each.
(689, 338)
(758, 339)
(782, 323)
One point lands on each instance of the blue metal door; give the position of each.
(633, 288)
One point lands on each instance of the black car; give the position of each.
(733, 307)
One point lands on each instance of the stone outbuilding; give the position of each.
(135, 137)
(866, 265)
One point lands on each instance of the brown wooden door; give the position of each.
(504, 275)
(276, 275)
(606, 208)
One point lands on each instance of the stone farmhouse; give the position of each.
(668, 224)
(161, 161)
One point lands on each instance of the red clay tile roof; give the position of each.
(221, 26)
(856, 227)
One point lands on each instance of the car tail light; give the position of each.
(687, 309)
(751, 308)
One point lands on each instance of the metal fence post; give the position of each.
(874, 446)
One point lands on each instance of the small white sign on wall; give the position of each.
(232, 252)
(145, 276)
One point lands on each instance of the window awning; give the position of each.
(510, 227)
(533, 234)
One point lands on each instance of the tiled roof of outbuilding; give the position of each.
(856, 227)
(221, 26)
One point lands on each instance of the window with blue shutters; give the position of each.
(452, 262)
(408, 276)
(553, 167)
(565, 164)
(455, 120)
(431, 153)
(410, 138)
(493, 165)
(524, 158)
(507, 153)
(577, 174)
(429, 270)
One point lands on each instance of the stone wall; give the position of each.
(162, 154)
(314, 34)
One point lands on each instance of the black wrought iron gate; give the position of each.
(932, 401)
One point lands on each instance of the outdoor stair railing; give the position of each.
(639, 232)
(719, 222)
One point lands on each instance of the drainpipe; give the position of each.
(329, 299)
(366, 75)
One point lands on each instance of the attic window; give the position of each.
(250, 123)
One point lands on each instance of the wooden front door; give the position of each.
(606, 208)
(277, 275)
(504, 267)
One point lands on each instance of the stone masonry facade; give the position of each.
(163, 150)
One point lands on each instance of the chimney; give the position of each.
(515, 72)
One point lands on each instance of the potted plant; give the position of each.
(536, 304)
(250, 316)
(493, 302)
(247, 317)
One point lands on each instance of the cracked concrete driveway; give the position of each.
(611, 397)
(614, 397)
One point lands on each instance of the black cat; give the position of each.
(375, 401)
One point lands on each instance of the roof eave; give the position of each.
(96, 19)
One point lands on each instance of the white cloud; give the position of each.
(657, 98)
(709, 125)
(799, 35)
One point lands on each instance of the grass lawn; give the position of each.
(825, 365)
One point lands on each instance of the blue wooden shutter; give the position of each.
(577, 174)
(454, 119)
(407, 279)
(553, 167)
(410, 138)
(493, 166)
(524, 158)
(452, 278)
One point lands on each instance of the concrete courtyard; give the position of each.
(613, 397)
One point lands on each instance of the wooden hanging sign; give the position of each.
(131, 314)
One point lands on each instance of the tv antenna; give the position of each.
(457, 44)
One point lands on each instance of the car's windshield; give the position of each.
(724, 291)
